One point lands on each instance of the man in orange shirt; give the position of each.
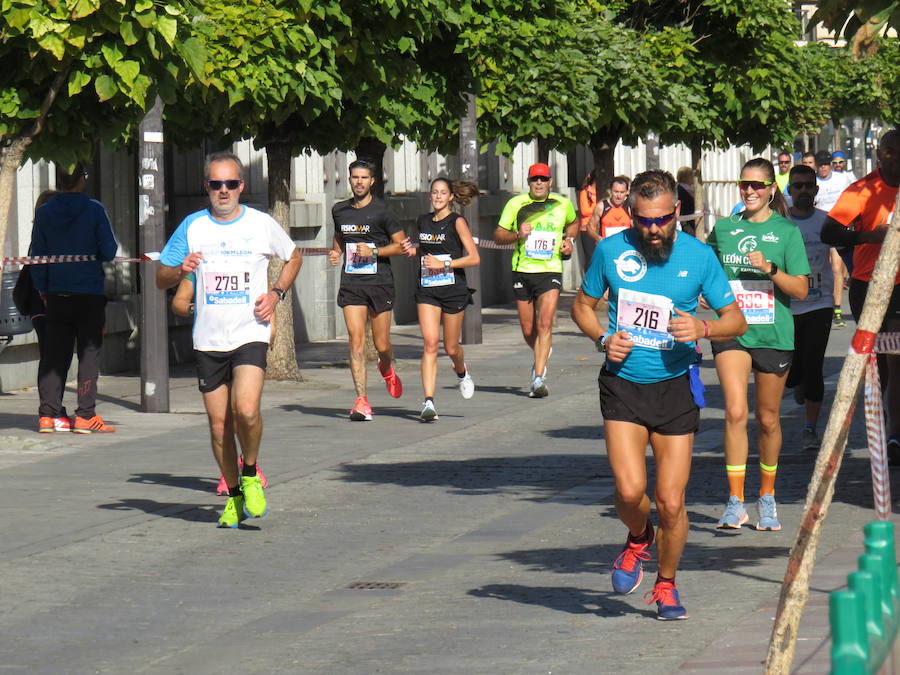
(860, 218)
(613, 214)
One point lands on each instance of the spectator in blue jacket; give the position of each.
(71, 223)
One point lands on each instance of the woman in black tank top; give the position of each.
(445, 247)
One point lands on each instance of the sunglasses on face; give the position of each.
(231, 184)
(650, 222)
(803, 185)
(784, 161)
(838, 162)
(539, 179)
(754, 184)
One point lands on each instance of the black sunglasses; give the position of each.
(231, 184)
(539, 179)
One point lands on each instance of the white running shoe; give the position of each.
(428, 414)
(466, 385)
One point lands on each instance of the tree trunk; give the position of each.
(372, 150)
(836, 135)
(699, 196)
(603, 148)
(543, 150)
(282, 356)
(10, 161)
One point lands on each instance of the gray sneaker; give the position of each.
(767, 514)
(429, 414)
(809, 440)
(538, 387)
(735, 515)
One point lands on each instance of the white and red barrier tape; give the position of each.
(18, 261)
(883, 343)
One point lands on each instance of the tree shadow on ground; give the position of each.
(203, 484)
(342, 413)
(548, 474)
(561, 599)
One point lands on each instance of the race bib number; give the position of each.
(645, 317)
(815, 286)
(357, 264)
(227, 287)
(756, 300)
(540, 245)
(438, 277)
(610, 231)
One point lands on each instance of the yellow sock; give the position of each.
(736, 474)
(767, 479)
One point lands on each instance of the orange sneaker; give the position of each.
(95, 425)
(49, 425)
(392, 382)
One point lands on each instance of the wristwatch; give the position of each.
(446, 266)
(774, 270)
(601, 343)
(374, 251)
(280, 293)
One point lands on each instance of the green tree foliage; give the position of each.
(859, 22)
(78, 71)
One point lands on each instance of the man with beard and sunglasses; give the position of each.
(813, 314)
(655, 276)
(542, 225)
(227, 247)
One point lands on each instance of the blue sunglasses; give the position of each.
(650, 222)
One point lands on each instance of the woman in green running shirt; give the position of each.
(765, 261)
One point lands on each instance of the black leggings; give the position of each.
(811, 331)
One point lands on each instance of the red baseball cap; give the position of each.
(539, 170)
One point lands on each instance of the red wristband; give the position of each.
(705, 329)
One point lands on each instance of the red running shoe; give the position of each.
(95, 425)
(668, 606)
(361, 410)
(392, 381)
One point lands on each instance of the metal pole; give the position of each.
(651, 150)
(151, 223)
(468, 164)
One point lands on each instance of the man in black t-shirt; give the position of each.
(366, 233)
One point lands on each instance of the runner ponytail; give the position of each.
(463, 191)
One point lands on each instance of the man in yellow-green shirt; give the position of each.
(542, 224)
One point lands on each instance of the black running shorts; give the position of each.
(665, 407)
(528, 285)
(216, 368)
(377, 298)
(762, 360)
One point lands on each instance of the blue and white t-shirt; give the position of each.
(642, 296)
(231, 277)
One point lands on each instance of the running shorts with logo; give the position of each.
(762, 359)
(440, 288)
(232, 275)
(540, 252)
(217, 368)
(528, 286)
(377, 298)
(766, 307)
(643, 295)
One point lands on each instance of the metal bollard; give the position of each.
(849, 642)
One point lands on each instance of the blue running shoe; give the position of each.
(668, 606)
(735, 515)
(767, 518)
(628, 568)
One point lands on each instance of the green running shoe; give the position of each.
(254, 497)
(233, 513)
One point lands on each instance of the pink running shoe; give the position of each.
(222, 487)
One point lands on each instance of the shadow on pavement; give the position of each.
(561, 599)
(194, 513)
(342, 413)
(546, 473)
(203, 484)
(10, 421)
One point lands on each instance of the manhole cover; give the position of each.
(374, 585)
